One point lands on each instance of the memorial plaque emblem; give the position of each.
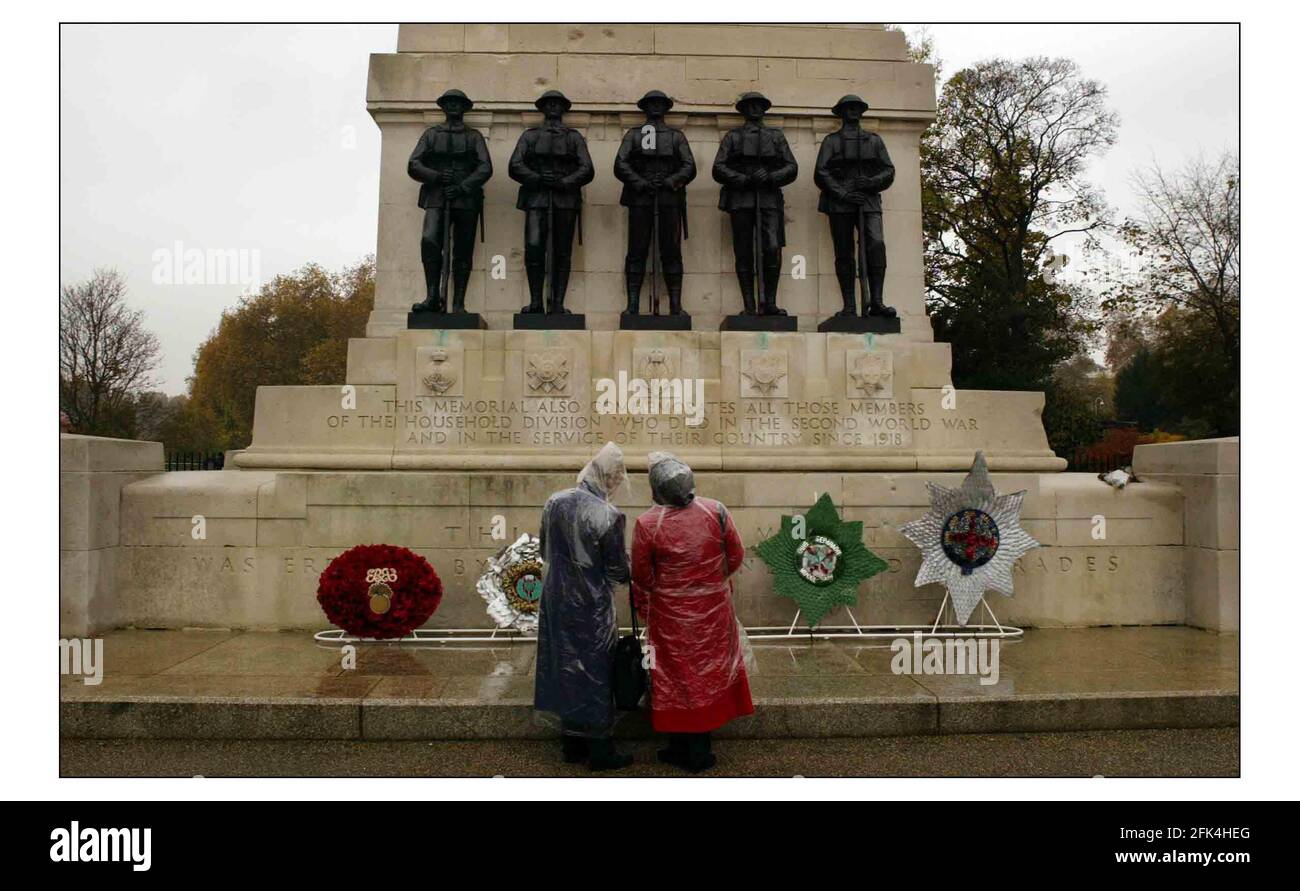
(438, 370)
(439, 376)
(764, 374)
(870, 374)
(548, 373)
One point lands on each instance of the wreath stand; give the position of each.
(939, 628)
(426, 637)
(945, 625)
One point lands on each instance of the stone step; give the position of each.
(167, 717)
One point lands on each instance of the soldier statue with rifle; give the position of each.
(451, 163)
(853, 168)
(551, 165)
(753, 163)
(655, 165)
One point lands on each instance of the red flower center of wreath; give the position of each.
(379, 591)
(970, 539)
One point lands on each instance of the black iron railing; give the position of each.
(196, 460)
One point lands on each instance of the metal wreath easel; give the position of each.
(939, 628)
(945, 625)
(429, 637)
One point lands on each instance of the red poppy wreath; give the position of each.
(379, 591)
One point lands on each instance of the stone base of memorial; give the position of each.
(649, 322)
(445, 321)
(744, 322)
(545, 321)
(861, 325)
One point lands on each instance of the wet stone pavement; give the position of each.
(219, 685)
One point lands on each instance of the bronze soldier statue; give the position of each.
(753, 163)
(551, 165)
(853, 168)
(655, 165)
(451, 163)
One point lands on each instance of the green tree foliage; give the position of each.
(295, 330)
(1080, 398)
(1173, 382)
(1002, 173)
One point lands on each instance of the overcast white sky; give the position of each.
(256, 137)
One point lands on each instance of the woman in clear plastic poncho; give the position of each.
(581, 541)
(683, 551)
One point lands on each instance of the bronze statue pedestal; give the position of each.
(550, 321)
(744, 322)
(630, 321)
(445, 321)
(861, 325)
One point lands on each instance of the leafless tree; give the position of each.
(1188, 238)
(106, 355)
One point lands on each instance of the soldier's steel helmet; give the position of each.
(554, 94)
(745, 97)
(654, 94)
(850, 99)
(454, 94)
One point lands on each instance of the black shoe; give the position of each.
(576, 749)
(605, 757)
(701, 763)
(533, 308)
(670, 756)
(879, 309)
(429, 304)
(676, 752)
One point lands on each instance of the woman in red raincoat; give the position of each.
(683, 551)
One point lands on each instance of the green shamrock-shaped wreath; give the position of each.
(822, 569)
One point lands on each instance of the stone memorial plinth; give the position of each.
(449, 441)
(545, 400)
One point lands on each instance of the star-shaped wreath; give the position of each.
(823, 568)
(512, 585)
(970, 539)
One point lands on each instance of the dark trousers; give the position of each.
(742, 241)
(566, 222)
(640, 232)
(463, 223)
(846, 250)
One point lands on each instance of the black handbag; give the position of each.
(629, 674)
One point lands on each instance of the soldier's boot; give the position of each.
(432, 287)
(536, 284)
(746, 277)
(848, 280)
(559, 286)
(674, 280)
(634, 279)
(460, 286)
(771, 280)
(876, 288)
